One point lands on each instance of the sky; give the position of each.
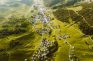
(4, 1)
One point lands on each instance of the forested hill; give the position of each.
(81, 14)
(61, 2)
(51, 3)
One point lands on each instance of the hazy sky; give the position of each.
(4, 1)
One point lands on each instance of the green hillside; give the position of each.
(81, 14)
(68, 36)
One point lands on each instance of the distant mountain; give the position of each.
(51, 2)
(64, 2)
(12, 5)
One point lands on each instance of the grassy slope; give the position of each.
(81, 14)
(75, 39)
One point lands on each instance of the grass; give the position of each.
(28, 42)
